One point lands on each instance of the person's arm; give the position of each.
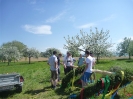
(56, 64)
(48, 62)
(85, 67)
(87, 62)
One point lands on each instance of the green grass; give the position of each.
(37, 79)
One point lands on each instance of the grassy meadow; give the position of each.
(37, 79)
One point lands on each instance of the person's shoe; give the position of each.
(52, 86)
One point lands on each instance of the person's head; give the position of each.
(80, 55)
(60, 55)
(91, 54)
(68, 54)
(54, 52)
(87, 53)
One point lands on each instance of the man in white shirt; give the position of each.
(54, 69)
(88, 69)
(93, 67)
(68, 63)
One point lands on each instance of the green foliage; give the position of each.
(115, 80)
(67, 80)
(130, 48)
(125, 47)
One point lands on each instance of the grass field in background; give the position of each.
(37, 79)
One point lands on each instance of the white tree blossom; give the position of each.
(95, 42)
(30, 52)
(9, 54)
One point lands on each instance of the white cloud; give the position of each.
(87, 25)
(42, 29)
(56, 18)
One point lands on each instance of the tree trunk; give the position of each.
(129, 56)
(8, 62)
(29, 60)
(97, 58)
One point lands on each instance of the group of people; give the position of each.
(68, 63)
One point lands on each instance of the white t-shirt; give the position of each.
(52, 61)
(89, 60)
(68, 61)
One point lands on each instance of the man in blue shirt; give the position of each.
(81, 60)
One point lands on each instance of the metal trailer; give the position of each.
(11, 82)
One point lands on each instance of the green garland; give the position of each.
(91, 90)
(67, 80)
(114, 81)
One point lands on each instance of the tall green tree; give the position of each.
(30, 52)
(123, 47)
(97, 42)
(130, 49)
(49, 52)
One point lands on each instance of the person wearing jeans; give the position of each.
(88, 69)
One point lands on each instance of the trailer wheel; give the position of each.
(18, 89)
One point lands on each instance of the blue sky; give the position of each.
(44, 23)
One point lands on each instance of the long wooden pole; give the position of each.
(103, 72)
(106, 72)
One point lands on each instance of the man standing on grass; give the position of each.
(54, 69)
(93, 67)
(88, 69)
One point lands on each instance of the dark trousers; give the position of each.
(67, 69)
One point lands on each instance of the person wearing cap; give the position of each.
(81, 60)
(88, 69)
(68, 63)
(54, 69)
